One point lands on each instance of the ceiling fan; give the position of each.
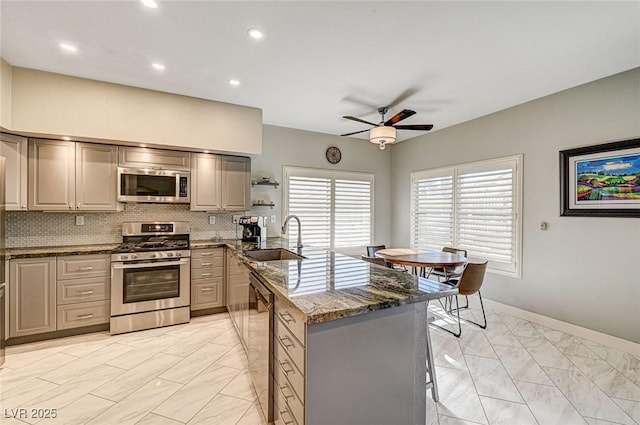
(384, 133)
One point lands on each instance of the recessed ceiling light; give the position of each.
(66, 138)
(256, 34)
(158, 66)
(142, 145)
(234, 83)
(150, 3)
(68, 47)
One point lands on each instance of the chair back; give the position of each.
(456, 251)
(472, 278)
(371, 249)
(375, 260)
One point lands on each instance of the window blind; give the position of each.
(335, 208)
(433, 212)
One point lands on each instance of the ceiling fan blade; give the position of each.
(359, 120)
(355, 132)
(403, 96)
(422, 127)
(405, 113)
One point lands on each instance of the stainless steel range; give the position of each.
(150, 280)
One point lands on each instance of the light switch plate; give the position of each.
(79, 220)
(212, 219)
(273, 218)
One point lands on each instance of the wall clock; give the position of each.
(333, 154)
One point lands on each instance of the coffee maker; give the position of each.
(254, 229)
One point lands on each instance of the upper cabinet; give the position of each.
(220, 183)
(69, 176)
(157, 159)
(14, 149)
(236, 183)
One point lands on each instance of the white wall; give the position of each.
(5, 94)
(44, 103)
(285, 146)
(582, 270)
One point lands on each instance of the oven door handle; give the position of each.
(119, 266)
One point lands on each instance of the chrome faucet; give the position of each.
(284, 229)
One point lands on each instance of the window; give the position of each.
(335, 208)
(474, 206)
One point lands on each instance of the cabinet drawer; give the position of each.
(83, 314)
(77, 266)
(289, 343)
(81, 290)
(207, 253)
(208, 273)
(283, 385)
(206, 293)
(207, 262)
(292, 319)
(287, 366)
(282, 413)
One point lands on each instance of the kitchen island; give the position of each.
(350, 338)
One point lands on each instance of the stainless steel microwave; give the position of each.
(154, 186)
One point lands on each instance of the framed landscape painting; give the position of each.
(601, 180)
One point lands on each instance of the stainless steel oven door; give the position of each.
(149, 286)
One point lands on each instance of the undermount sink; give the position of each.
(276, 254)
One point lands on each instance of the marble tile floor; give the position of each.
(515, 372)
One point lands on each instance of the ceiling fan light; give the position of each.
(382, 135)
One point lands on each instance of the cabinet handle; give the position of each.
(85, 269)
(70, 206)
(89, 292)
(206, 274)
(282, 366)
(282, 412)
(207, 264)
(288, 319)
(24, 207)
(286, 387)
(289, 345)
(206, 254)
(85, 316)
(78, 206)
(207, 289)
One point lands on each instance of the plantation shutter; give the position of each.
(432, 211)
(310, 200)
(352, 213)
(335, 208)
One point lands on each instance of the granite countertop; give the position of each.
(327, 286)
(324, 286)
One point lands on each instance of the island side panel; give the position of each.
(362, 369)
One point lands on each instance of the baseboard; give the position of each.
(595, 336)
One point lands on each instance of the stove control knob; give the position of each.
(124, 257)
(169, 254)
(178, 254)
(153, 256)
(134, 256)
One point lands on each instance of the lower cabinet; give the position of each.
(237, 276)
(207, 278)
(48, 294)
(32, 296)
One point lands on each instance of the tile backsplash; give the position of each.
(31, 229)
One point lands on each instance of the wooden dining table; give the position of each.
(419, 258)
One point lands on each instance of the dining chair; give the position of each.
(375, 260)
(448, 273)
(371, 249)
(469, 283)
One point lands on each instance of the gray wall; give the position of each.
(285, 146)
(582, 270)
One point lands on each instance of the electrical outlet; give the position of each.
(212, 219)
(79, 220)
(273, 218)
(236, 218)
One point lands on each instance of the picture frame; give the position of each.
(601, 180)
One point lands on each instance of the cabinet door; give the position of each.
(236, 183)
(96, 177)
(205, 182)
(14, 149)
(153, 158)
(32, 296)
(51, 175)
